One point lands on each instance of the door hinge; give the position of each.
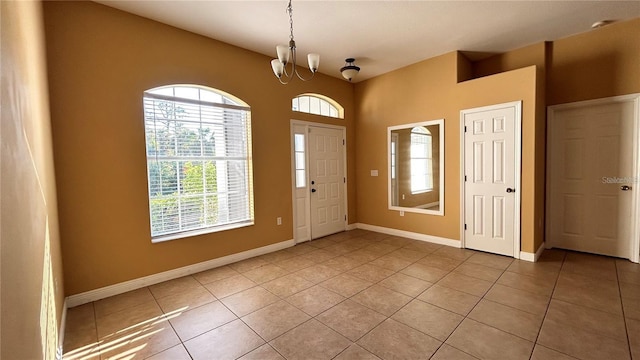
(465, 226)
(345, 218)
(465, 178)
(343, 142)
(344, 180)
(465, 128)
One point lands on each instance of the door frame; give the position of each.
(635, 200)
(517, 105)
(307, 125)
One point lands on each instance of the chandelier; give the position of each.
(287, 55)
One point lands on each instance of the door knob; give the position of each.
(510, 190)
(313, 190)
(625, 187)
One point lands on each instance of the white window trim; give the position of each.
(322, 99)
(248, 178)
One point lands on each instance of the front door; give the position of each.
(326, 176)
(491, 181)
(318, 158)
(591, 179)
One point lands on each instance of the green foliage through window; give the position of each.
(198, 159)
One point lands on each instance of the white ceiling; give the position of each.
(381, 35)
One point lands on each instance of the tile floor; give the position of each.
(365, 295)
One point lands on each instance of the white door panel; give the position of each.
(587, 146)
(490, 170)
(326, 177)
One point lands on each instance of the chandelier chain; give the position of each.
(290, 11)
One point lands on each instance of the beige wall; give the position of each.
(425, 91)
(514, 85)
(516, 59)
(32, 291)
(599, 63)
(100, 63)
(412, 94)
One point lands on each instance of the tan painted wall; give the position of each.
(425, 91)
(600, 63)
(536, 54)
(100, 63)
(520, 84)
(516, 59)
(114, 56)
(32, 293)
(595, 64)
(412, 94)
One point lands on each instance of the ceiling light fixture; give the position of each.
(287, 54)
(350, 70)
(601, 23)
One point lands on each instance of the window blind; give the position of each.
(198, 160)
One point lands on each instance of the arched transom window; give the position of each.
(198, 143)
(318, 105)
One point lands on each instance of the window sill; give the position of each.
(421, 191)
(191, 233)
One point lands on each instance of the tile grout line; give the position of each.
(470, 310)
(350, 298)
(386, 317)
(546, 310)
(310, 317)
(555, 284)
(170, 324)
(563, 267)
(304, 322)
(624, 318)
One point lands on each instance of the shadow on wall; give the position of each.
(584, 78)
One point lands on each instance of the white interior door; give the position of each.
(319, 182)
(326, 181)
(590, 171)
(491, 178)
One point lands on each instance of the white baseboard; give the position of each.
(111, 290)
(410, 235)
(532, 257)
(351, 226)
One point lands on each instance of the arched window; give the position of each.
(198, 144)
(421, 160)
(318, 105)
